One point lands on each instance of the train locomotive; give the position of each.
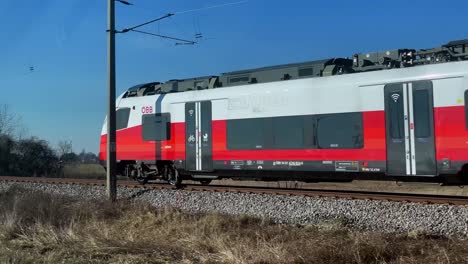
(395, 114)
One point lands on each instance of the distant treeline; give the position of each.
(35, 157)
(23, 156)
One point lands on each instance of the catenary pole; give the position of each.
(111, 117)
(111, 162)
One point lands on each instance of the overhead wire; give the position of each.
(164, 36)
(198, 34)
(210, 7)
(146, 23)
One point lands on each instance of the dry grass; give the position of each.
(41, 228)
(83, 171)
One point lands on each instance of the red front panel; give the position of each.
(130, 145)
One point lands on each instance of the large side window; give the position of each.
(421, 114)
(466, 109)
(156, 127)
(340, 131)
(122, 116)
(246, 133)
(288, 132)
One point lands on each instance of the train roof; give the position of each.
(362, 62)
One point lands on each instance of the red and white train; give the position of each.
(400, 113)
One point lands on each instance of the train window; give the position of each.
(466, 109)
(246, 133)
(156, 127)
(395, 109)
(288, 132)
(421, 114)
(340, 131)
(122, 115)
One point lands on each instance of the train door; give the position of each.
(198, 143)
(409, 119)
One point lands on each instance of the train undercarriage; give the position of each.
(167, 171)
(142, 173)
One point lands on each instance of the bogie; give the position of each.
(142, 172)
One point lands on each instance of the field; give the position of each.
(83, 171)
(37, 227)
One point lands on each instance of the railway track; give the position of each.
(344, 194)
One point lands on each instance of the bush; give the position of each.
(6, 146)
(27, 157)
(70, 158)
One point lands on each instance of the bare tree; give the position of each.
(10, 123)
(65, 147)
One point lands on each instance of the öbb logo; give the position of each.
(146, 109)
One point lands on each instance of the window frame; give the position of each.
(264, 124)
(118, 118)
(425, 127)
(398, 115)
(361, 130)
(276, 126)
(166, 118)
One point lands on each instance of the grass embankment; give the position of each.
(41, 228)
(83, 171)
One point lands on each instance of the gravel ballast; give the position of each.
(381, 216)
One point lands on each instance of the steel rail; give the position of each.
(341, 194)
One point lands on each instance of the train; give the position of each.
(396, 114)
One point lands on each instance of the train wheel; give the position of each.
(139, 176)
(173, 175)
(142, 180)
(205, 182)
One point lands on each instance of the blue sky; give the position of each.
(65, 96)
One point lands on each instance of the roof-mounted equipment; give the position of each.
(362, 62)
